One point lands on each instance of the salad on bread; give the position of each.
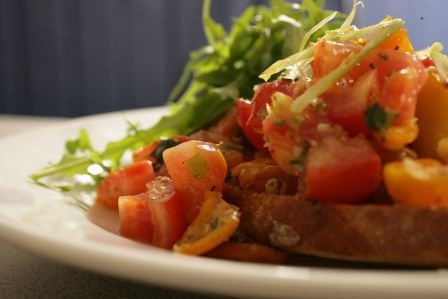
(294, 132)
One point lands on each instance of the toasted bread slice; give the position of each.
(396, 234)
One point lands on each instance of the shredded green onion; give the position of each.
(316, 28)
(440, 60)
(331, 78)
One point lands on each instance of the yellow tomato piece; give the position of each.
(399, 40)
(431, 112)
(216, 222)
(417, 182)
(397, 137)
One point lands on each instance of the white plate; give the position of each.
(42, 221)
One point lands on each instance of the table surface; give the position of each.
(26, 275)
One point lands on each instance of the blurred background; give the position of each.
(80, 57)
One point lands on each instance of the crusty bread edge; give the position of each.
(395, 234)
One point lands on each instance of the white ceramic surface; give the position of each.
(42, 221)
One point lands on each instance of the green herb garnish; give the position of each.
(378, 118)
(214, 224)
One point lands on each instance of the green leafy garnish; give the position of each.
(214, 77)
(378, 118)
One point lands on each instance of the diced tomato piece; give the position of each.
(289, 134)
(154, 217)
(263, 97)
(398, 41)
(342, 170)
(330, 55)
(427, 62)
(128, 180)
(215, 223)
(250, 115)
(135, 218)
(243, 113)
(348, 99)
(346, 106)
(399, 94)
(401, 76)
(421, 182)
(145, 152)
(195, 167)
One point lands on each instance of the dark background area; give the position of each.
(79, 57)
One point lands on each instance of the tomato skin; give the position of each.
(346, 106)
(250, 115)
(135, 218)
(342, 170)
(262, 98)
(210, 172)
(128, 180)
(329, 55)
(165, 204)
(145, 152)
(154, 217)
(243, 113)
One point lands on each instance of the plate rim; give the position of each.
(308, 280)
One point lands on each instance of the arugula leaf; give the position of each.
(214, 77)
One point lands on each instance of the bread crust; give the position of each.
(397, 234)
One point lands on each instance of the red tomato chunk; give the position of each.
(129, 180)
(154, 217)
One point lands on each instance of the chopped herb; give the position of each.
(198, 166)
(214, 224)
(377, 118)
(372, 66)
(299, 161)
